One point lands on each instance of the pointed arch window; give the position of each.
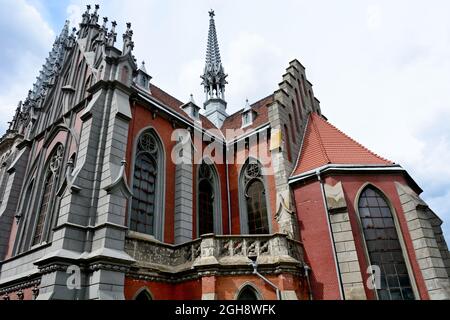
(144, 295)
(147, 178)
(209, 207)
(247, 293)
(383, 246)
(48, 190)
(254, 213)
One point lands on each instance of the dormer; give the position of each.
(248, 115)
(191, 109)
(143, 78)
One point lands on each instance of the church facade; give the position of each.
(111, 188)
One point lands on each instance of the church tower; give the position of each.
(214, 79)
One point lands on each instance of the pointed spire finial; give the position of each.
(191, 99)
(105, 21)
(128, 44)
(214, 77)
(112, 35)
(247, 105)
(143, 67)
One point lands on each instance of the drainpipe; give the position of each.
(228, 189)
(255, 271)
(322, 188)
(307, 269)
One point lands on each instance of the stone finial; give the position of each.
(247, 105)
(105, 21)
(191, 99)
(128, 44)
(112, 35)
(94, 15)
(86, 15)
(142, 68)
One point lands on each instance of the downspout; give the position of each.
(322, 188)
(270, 283)
(228, 189)
(307, 269)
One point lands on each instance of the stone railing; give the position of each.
(215, 251)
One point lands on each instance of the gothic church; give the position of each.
(111, 188)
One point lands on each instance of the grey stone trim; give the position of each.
(428, 252)
(344, 242)
(10, 201)
(213, 255)
(183, 200)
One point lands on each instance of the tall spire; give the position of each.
(214, 77)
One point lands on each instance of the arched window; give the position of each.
(48, 190)
(383, 246)
(254, 213)
(144, 295)
(209, 209)
(148, 186)
(247, 293)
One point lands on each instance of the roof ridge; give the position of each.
(354, 141)
(300, 153)
(254, 104)
(322, 147)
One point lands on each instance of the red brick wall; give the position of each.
(234, 173)
(315, 233)
(189, 290)
(386, 184)
(226, 287)
(142, 118)
(316, 239)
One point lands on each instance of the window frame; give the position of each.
(159, 217)
(397, 228)
(217, 205)
(250, 286)
(50, 210)
(243, 186)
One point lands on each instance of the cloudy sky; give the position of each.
(381, 69)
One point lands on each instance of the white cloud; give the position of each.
(26, 40)
(374, 17)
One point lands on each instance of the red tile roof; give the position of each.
(175, 104)
(325, 144)
(234, 121)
